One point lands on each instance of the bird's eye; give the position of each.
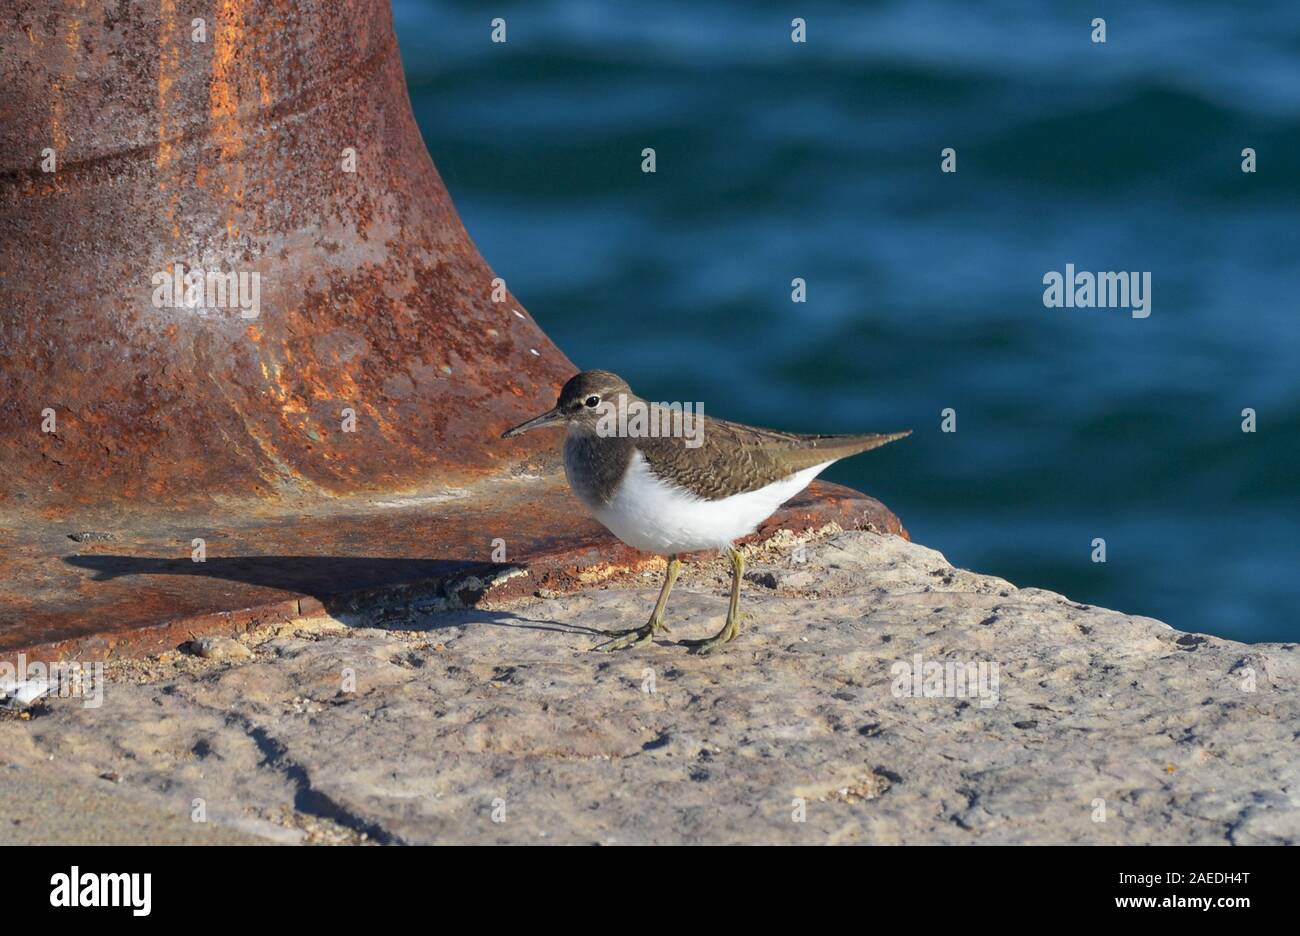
(593, 401)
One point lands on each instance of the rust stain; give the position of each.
(169, 66)
(223, 105)
(65, 76)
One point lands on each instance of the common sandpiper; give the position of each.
(703, 485)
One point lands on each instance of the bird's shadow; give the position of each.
(358, 590)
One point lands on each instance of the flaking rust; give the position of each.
(375, 366)
(282, 146)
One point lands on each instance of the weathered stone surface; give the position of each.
(427, 729)
(223, 649)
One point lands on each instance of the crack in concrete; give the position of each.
(307, 797)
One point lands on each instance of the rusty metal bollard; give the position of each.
(251, 365)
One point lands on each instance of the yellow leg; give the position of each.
(731, 628)
(645, 633)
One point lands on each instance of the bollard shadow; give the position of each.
(348, 586)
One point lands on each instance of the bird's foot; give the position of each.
(622, 639)
(728, 633)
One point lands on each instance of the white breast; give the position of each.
(653, 516)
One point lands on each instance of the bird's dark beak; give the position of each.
(552, 417)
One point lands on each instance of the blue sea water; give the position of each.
(820, 160)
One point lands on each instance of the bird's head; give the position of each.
(581, 402)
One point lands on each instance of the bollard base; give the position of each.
(129, 586)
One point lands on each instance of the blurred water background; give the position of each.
(778, 160)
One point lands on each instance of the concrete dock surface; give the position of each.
(826, 721)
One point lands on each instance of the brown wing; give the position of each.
(733, 458)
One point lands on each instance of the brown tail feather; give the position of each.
(845, 446)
